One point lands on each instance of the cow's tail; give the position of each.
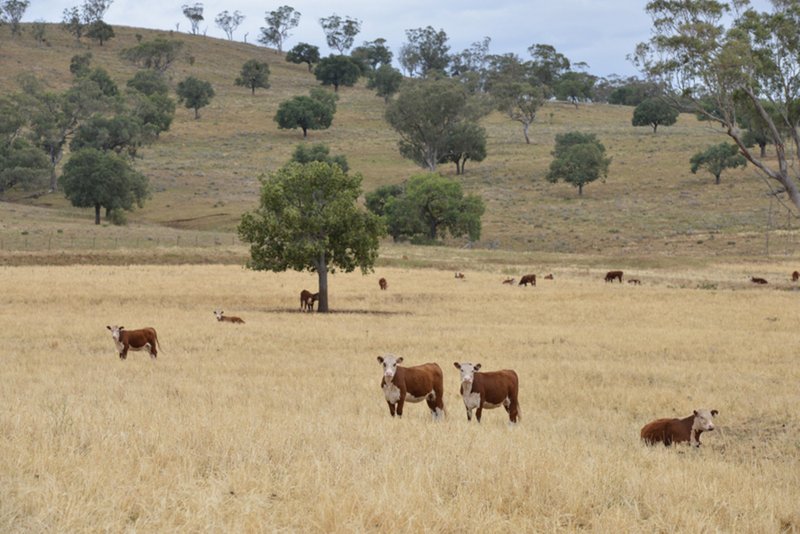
(158, 343)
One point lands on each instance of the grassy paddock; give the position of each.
(279, 424)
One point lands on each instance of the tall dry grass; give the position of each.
(280, 424)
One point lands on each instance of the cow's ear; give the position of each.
(400, 359)
(714, 413)
(108, 327)
(121, 328)
(477, 367)
(380, 359)
(458, 366)
(695, 412)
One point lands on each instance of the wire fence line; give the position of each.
(41, 242)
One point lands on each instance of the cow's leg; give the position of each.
(479, 411)
(400, 403)
(391, 408)
(469, 414)
(153, 351)
(124, 353)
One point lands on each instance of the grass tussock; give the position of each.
(280, 424)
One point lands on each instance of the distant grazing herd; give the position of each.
(479, 390)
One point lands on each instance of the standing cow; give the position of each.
(412, 384)
(528, 279)
(142, 339)
(613, 275)
(489, 390)
(307, 300)
(383, 284)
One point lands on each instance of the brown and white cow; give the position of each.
(307, 300)
(142, 339)
(527, 279)
(489, 390)
(459, 275)
(669, 431)
(412, 384)
(795, 276)
(383, 284)
(612, 275)
(634, 281)
(509, 281)
(227, 319)
(549, 276)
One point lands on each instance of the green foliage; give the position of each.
(254, 74)
(149, 82)
(466, 140)
(519, 100)
(386, 81)
(428, 206)
(575, 87)
(340, 32)
(547, 67)
(158, 54)
(376, 200)
(194, 94)
(97, 179)
(426, 51)
(716, 159)
(121, 134)
(579, 159)
(194, 14)
(654, 112)
(100, 31)
(79, 64)
(303, 53)
(313, 112)
(228, 22)
(424, 113)
(309, 219)
(13, 10)
(72, 22)
(304, 153)
(279, 22)
(21, 164)
(633, 91)
(336, 71)
(372, 54)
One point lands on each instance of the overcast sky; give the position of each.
(599, 32)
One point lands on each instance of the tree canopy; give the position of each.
(279, 23)
(340, 32)
(426, 52)
(194, 94)
(254, 74)
(465, 141)
(305, 153)
(578, 159)
(303, 53)
(386, 81)
(309, 220)
(337, 70)
(158, 54)
(228, 22)
(314, 112)
(654, 112)
(716, 159)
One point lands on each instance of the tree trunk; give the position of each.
(763, 148)
(716, 176)
(525, 126)
(253, 89)
(322, 275)
(305, 132)
(97, 213)
(196, 113)
(655, 127)
(580, 190)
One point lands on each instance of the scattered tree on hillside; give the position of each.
(337, 70)
(473, 59)
(578, 159)
(427, 207)
(313, 112)
(376, 201)
(424, 114)
(96, 179)
(254, 74)
(340, 32)
(228, 22)
(717, 158)
(386, 81)
(121, 134)
(520, 101)
(372, 55)
(654, 112)
(304, 153)
(12, 11)
(632, 91)
(426, 50)
(158, 54)
(194, 94)
(100, 31)
(756, 57)
(466, 140)
(38, 30)
(194, 14)
(279, 22)
(21, 163)
(72, 23)
(303, 53)
(547, 67)
(309, 220)
(150, 101)
(574, 87)
(149, 82)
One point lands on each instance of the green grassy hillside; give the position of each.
(204, 172)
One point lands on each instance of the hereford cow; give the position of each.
(795, 276)
(549, 276)
(383, 283)
(142, 339)
(757, 280)
(527, 279)
(509, 281)
(669, 431)
(611, 275)
(489, 390)
(307, 300)
(634, 281)
(223, 319)
(412, 384)
(460, 275)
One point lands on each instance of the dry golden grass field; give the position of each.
(280, 424)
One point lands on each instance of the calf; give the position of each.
(549, 276)
(232, 319)
(142, 339)
(489, 390)
(795, 276)
(669, 431)
(527, 279)
(412, 384)
(611, 275)
(509, 281)
(634, 281)
(307, 300)
(460, 275)
(383, 284)
(757, 280)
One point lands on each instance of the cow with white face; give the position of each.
(142, 339)
(412, 384)
(489, 390)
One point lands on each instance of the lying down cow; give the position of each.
(412, 384)
(142, 339)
